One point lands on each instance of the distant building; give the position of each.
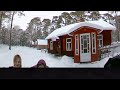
(41, 44)
(33, 44)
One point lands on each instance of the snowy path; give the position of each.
(30, 57)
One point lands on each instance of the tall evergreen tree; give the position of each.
(94, 15)
(78, 16)
(46, 24)
(34, 29)
(67, 18)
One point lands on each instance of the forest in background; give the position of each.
(38, 29)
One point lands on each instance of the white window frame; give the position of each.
(94, 42)
(68, 43)
(51, 45)
(100, 39)
(76, 40)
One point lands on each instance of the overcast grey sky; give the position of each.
(23, 20)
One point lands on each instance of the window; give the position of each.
(68, 44)
(100, 40)
(51, 45)
(93, 43)
(76, 45)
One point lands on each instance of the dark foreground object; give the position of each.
(113, 62)
(57, 73)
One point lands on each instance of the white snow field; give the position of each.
(30, 57)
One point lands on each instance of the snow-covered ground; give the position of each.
(30, 57)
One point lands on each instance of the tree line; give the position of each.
(40, 29)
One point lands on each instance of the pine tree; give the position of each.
(78, 16)
(52, 29)
(59, 22)
(117, 23)
(45, 23)
(39, 34)
(34, 29)
(67, 18)
(23, 39)
(3, 33)
(94, 15)
(108, 18)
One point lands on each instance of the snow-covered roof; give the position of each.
(42, 42)
(100, 24)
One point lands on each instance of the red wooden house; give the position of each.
(80, 40)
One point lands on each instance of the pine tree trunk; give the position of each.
(92, 18)
(1, 26)
(117, 25)
(1, 20)
(109, 19)
(11, 29)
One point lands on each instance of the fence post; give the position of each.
(99, 54)
(108, 53)
(113, 52)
